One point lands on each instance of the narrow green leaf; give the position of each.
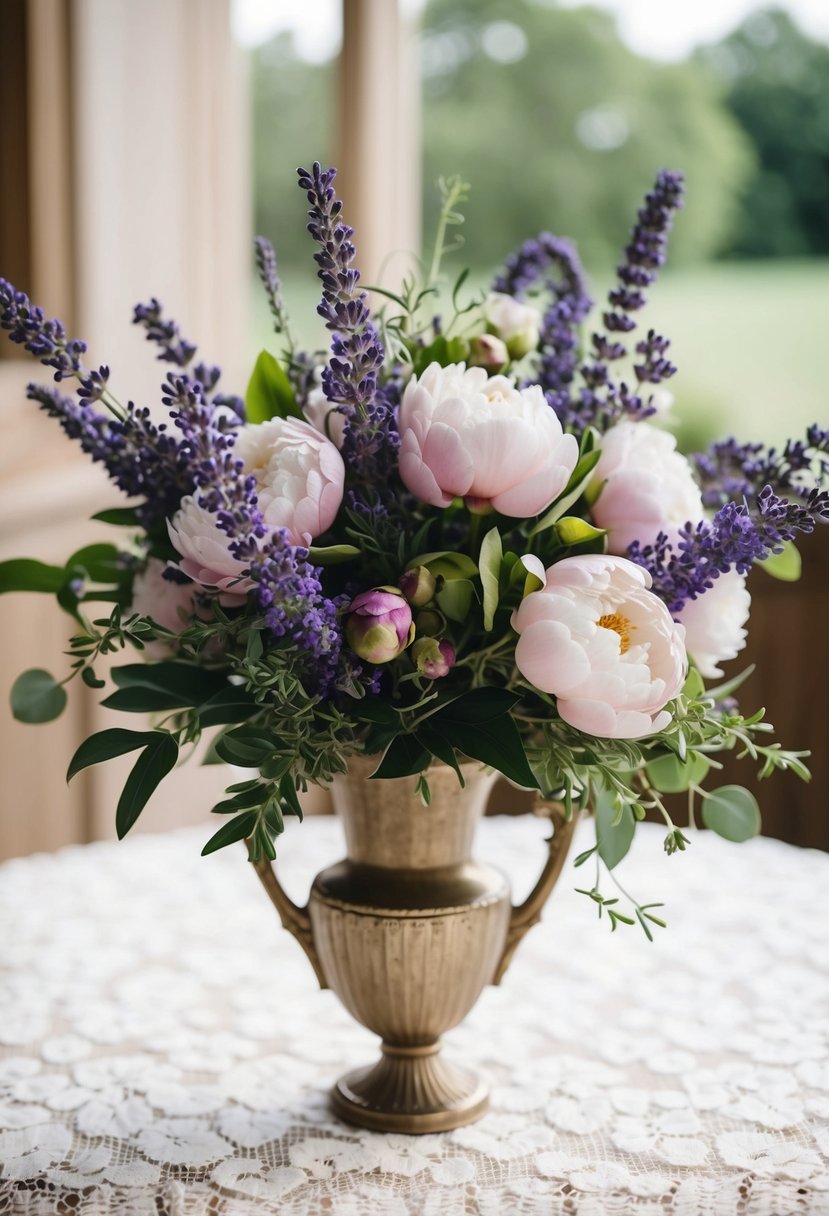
(105, 745)
(231, 832)
(332, 555)
(496, 743)
(572, 491)
(25, 574)
(188, 684)
(151, 767)
(120, 517)
(229, 705)
(478, 705)
(37, 697)
(732, 812)
(247, 746)
(269, 392)
(440, 748)
(489, 564)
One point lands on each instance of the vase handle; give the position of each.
(528, 913)
(295, 919)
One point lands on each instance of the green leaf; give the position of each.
(120, 517)
(105, 745)
(572, 530)
(732, 812)
(447, 563)
(443, 351)
(332, 555)
(670, 775)
(254, 795)
(25, 574)
(403, 758)
(694, 686)
(180, 684)
(730, 686)
(434, 741)
(496, 743)
(37, 697)
(290, 799)
(455, 599)
(102, 563)
(269, 393)
(614, 839)
(151, 767)
(489, 564)
(376, 711)
(478, 705)
(572, 491)
(143, 701)
(231, 832)
(785, 565)
(229, 705)
(246, 746)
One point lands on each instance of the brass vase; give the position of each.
(408, 930)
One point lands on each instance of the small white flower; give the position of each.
(517, 323)
(647, 487)
(715, 623)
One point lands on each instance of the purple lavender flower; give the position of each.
(173, 348)
(269, 276)
(732, 470)
(739, 535)
(46, 339)
(350, 379)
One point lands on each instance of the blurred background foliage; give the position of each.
(558, 125)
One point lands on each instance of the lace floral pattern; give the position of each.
(144, 1068)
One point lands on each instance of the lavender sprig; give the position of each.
(265, 255)
(553, 261)
(739, 535)
(350, 378)
(46, 339)
(173, 348)
(732, 470)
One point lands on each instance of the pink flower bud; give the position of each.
(379, 624)
(432, 658)
(489, 351)
(418, 585)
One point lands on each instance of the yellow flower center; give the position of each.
(619, 624)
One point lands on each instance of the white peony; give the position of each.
(647, 486)
(299, 475)
(518, 324)
(464, 434)
(605, 646)
(715, 623)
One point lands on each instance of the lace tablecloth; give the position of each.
(164, 1048)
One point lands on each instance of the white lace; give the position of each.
(163, 1047)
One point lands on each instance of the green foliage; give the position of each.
(732, 812)
(152, 766)
(785, 565)
(269, 393)
(105, 745)
(489, 565)
(25, 574)
(37, 697)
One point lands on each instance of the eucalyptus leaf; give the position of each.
(671, 775)
(614, 838)
(37, 697)
(732, 812)
(151, 767)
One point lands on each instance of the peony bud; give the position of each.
(418, 585)
(515, 321)
(430, 623)
(488, 351)
(379, 624)
(432, 658)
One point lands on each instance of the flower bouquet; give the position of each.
(455, 540)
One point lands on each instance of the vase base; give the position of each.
(411, 1090)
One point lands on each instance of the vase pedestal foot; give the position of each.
(411, 1090)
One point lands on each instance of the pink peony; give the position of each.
(169, 604)
(715, 623)
(648, 486)
(299, 476)
(324, 416)
(205, 549)
(468, 435)
(604, 645)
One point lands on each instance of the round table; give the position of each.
(164, 1048)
